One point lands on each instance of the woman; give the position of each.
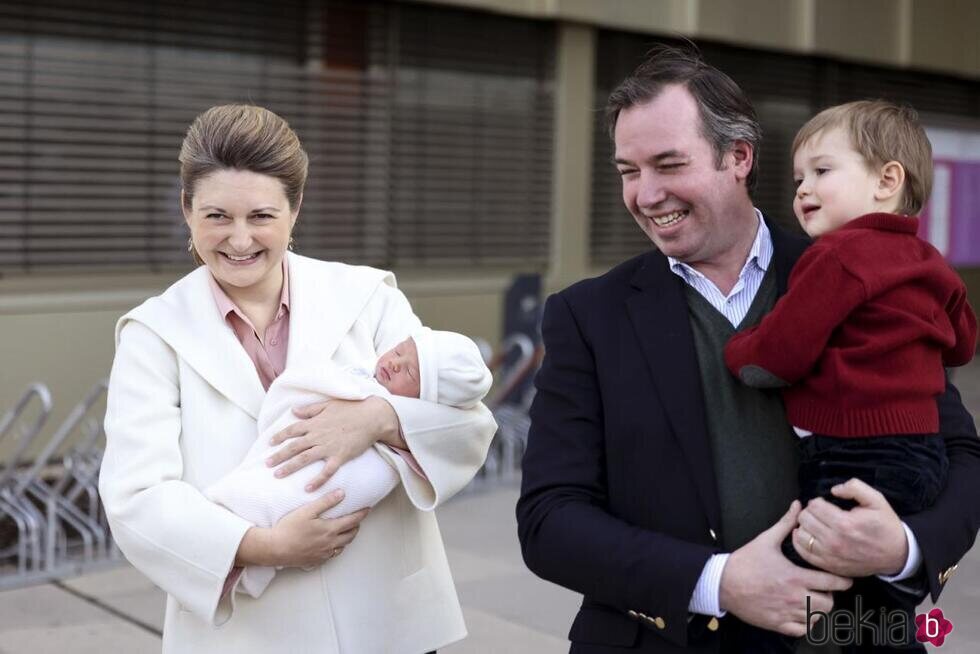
(186, 386)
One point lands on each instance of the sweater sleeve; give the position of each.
(783, 348)
(964, 322)
(449, 444)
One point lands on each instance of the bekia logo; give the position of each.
(932, 627)
(882, 628)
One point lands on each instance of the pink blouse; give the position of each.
(267, 353)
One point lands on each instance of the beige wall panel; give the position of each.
(764, 23)
(632, 15)
(57, 329)
(68, 351)
(655, 16)
(939, 35)
(478, 315)
(530, 8)
(870, 30)
(459, 300)
(571, 184)
(946, 36)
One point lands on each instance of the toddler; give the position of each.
(871, 315)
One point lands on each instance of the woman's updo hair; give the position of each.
(243, 137)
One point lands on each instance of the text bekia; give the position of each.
(844, 626)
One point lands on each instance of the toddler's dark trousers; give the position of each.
(910, 471)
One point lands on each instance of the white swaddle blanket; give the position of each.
(253, 492)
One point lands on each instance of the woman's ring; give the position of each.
(809, 545)
(336, 551)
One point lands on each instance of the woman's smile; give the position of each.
(241, 259)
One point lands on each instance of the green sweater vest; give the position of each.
(754, 449)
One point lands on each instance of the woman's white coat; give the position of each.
(182, 409)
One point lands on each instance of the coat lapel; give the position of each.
(187, 318)
(326, 298)
(659, 316)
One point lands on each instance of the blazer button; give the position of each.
(947, 573)
(659, 622)
(714, 537)
(713, 624)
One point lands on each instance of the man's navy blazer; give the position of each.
(619, 500)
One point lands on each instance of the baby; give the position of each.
(871, 315)
(435, 366)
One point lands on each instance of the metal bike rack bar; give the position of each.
(53, 499)
(25, 420)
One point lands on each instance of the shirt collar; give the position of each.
(760, 254)
(226, 305)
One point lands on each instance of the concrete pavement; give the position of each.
(507, 610)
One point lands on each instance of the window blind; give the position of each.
(428, 129)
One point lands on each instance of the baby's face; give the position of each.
(398, 370)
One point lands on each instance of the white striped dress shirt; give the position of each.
(736, 304)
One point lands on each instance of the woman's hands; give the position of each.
(334, 431)
(301, 538)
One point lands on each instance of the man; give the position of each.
(654, 483)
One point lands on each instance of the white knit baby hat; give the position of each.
(451, 368)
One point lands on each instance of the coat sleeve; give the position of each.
(449, 444)
(783, 348)
(946, 530)
(167, 529)
(568, 534)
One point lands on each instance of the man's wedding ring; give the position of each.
(809, 545)
(336, 551)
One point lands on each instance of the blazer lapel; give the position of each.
(187, 318)
(659, 315)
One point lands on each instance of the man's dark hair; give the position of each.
(726, 114)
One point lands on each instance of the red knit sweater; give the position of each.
(871, 315)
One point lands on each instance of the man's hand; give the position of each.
(334, 431)
(867, 540)
(762, 587)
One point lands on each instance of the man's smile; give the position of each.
(668, 219)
